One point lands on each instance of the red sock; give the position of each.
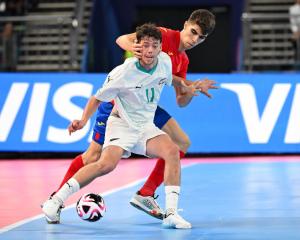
(76, 164)
(156, 177)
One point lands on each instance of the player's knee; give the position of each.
(90, 157)
(105, 167)
(187, 143)
(184, 143)
(172, 152)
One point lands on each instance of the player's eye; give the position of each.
(194, 32)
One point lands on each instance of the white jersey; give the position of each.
(136, 92)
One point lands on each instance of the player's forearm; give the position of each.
(177, 81)
(90, 108)
(183, 99)
(126, 42)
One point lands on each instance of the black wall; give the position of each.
(212, 55)
(217, 54)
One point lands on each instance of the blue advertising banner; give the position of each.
(250, 113)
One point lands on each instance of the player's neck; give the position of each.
(148, 67)
(181, 46)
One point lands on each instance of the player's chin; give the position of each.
(149, 61)
(188, 47)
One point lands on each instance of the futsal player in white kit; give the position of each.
(135, 86)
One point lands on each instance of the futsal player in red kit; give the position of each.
(195, 30)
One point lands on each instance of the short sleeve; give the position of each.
(183, 69)
(111, 87)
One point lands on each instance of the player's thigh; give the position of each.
(93, 153)
(110, 158)
(176, 133)
(161, 146)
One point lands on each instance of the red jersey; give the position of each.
(170, 45)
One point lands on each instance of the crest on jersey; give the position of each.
(162, 81)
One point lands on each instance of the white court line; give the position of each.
(129, 185)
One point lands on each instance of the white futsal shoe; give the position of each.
(148, 205)
(174, 220)
(52, 209)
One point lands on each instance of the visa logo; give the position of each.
(39, 104)
(260, 126)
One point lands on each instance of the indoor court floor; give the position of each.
(228, 198)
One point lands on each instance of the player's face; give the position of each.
(191, 36)
(151, 47)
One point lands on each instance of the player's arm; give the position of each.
(106, 93)
(182, 97)
(185, 87)
(128, 43)
(185, 95)
(88, 111)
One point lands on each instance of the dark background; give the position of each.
(218, 54)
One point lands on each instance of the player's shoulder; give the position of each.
(124, 67)
(166, 30)
(130, 60)
(164, 58)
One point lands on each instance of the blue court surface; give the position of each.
(223, 201)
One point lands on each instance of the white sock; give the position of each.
(68, 189)
(172, 196)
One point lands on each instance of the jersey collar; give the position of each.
(141, 68)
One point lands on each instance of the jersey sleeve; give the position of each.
(168, 68)
(111, 87)
(183, 69)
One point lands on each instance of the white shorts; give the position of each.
(118, 133)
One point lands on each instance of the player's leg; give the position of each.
(162, 146)
(107, 162)
(176, 133)
(92, 154)
(123, 138)
(168, 124)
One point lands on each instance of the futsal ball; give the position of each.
(90, 207)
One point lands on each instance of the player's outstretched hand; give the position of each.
(136, 48)
(205, 85)
(75, 125)
(190, 89)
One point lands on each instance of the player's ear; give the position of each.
(185, 24)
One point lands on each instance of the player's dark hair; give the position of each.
(204, 19)
(148, 30)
